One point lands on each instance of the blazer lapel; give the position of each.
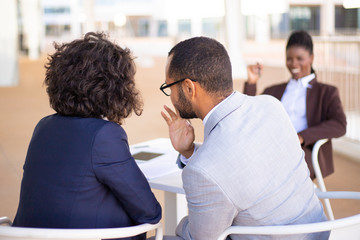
(280, 92)
(231, 104)
(310, 100)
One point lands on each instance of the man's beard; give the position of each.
(184, 106)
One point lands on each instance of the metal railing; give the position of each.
(337, 62)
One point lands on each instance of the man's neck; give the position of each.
(213, 102)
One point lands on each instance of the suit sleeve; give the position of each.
(206, 203)
(249, 89)
(179, 160)
(334, 124)
(115, 167)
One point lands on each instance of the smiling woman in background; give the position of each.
(313, 107)
(78, 171)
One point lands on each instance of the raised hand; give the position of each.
(181, 132)
(254, 73)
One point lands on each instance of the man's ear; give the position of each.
(189, 88)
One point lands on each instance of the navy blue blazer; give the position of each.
(79, 173)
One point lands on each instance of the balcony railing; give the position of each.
(338, 63)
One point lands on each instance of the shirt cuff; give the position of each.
(185, 160)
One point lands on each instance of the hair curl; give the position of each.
(92, 77)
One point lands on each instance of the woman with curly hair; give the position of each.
(78, 171)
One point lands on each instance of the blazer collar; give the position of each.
(233, 103)
(305, 81)
(312, 82)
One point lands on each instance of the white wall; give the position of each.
(32, 26)
(8, 43)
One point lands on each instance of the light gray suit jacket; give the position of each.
(250, 170)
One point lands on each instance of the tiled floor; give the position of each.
(23, 106)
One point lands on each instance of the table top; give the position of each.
(162, 172)
(170, 183)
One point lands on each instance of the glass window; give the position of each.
(143, 27)
(57, 10)
(162, 28)
(184, 27)
(211, 27)
(306, 18)
(57, 30)
(279, 25)
(346, 20)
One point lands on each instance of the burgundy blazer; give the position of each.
(325, 119)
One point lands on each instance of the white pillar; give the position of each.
(8, 43)
(262, 28)
(153, 27)
(327, 18)
(31, 19)
(89, 24)
(235, 37)
(172, 27)
(76, 18)
(196, 26)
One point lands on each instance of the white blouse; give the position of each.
(294, 101)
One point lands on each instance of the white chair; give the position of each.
(22, 233)
(319, 177)
(345, 228)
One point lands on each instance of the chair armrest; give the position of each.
(5, 220)
(7, 232)
(315, 162)
(339, 195)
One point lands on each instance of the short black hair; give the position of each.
(300, 38)
(204, 60)
(92, 77)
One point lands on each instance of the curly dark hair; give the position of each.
(92, 77)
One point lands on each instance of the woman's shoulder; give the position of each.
(276, 86)
(109, 129)
(110, 126)
(324, 85)
(276, 90)
(324, 89)
(82, 124)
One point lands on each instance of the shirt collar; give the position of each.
(213, 109)
(304, 80)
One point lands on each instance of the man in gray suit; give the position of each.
(250, 169)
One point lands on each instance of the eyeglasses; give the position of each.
(165, 87)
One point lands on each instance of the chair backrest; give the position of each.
(344, 228)
(22, 233)
(319, 176)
